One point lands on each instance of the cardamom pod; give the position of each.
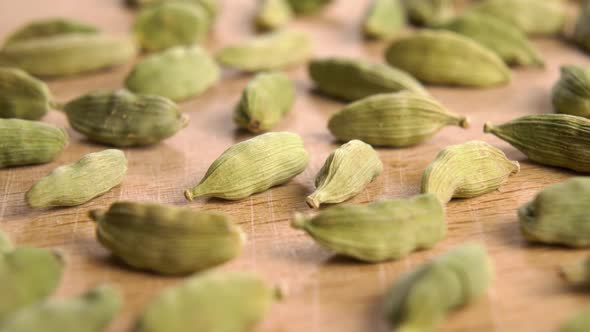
(571, 94)
(68, 54)
(559, 140)
(430, 12)
(49, 28)
(212, 302)
(78, 183)
(5, 244)
(581, 35)
(384, 19)
(273, 14)
(580, 322)
(121, 118)
(308, 7)
(177, 73)
(447, 58)
(396, 119)
(28, 142)
(467, 170)
(211, 6)
(346, 173)
(90, 312)
(22, 96)
(271, 51)
(577, 273)
(559, 214)
(265, 101)
(420, 299)
(253, 166)
(351, 79)
(167, 239)
(506, 40)
(380, 231)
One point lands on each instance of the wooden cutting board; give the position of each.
(325, 293)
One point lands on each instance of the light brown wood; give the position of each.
(325, 293)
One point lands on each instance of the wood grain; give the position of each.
(325, 293)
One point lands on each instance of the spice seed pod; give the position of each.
(571, 94)
(581, 35)
(580, 322)
(384, 19)
(22, 96)
(430, 12)
(211, 6)
(49, 28)
(273, 14)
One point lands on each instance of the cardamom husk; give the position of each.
(380, 231)
(384, 19)
(577, 273)
(581, 35)
(308, 7)
(571, 94)
(22, 96)
(580, 322)
(273, 14)
(166, 239)
(395, 120)
(430, 12)
(211, 6)
(346, 173)
(49, 28)
(253, 166)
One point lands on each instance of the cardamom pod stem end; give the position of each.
(313, 201)
(489, 128)
(96, 215)
(574, 273)
(299, 221)
(189, 195)
(464, 122)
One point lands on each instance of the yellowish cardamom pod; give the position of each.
(580, 322)
(581, 36)
(22, 96)
(273, 14)
(211, 6)
(384, 19)
(571, 94)
(430, 12)
(49, 28)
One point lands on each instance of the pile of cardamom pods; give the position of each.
(455, 43)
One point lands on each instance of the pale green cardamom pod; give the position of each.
(78, 183)
(49, 28)
(5, 243)
(271, 51)
(506, 40)
(253, 166)
(577, 273)
(447, 58)
(581, 35)
(571, 94)
(22, 96)
(90, 312)
(560, 140)
(308, 7)
(121, 118)
(580, 322)
(29, 142)
(264, 102)
(177, 73)
(467, 170)
(346, 173)
(384, 19)
(420, 299)
(167, 239)
(211, 6)
(381, 231)
(273, 14)
(559, 214)
(430, 12)
(395, 120)
(352, 79)
(211, 302)
(68, 54)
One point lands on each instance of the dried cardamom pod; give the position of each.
(171, 24)
(271, 51)
(265, 101)
(444, 57)
(49, 28)
(78, 183)
(5, 244)
(581, 35)
(560, 140)
(380, 231)
(90, 312)
(580, 322)
(467, 170)
(212, 302)
(167, 239)
(352, 79)
(395, 119)
(121, 118)
(273, 14)
(506, 40)
(253, 166)
(571, 94)
(29, 142)
(430, 12)
(577, 273)
(384, 19)
(211, 6)
(22, 96)
(177, 73)
(308, 7)
(559, 214)
(346, 173)
(420, 299)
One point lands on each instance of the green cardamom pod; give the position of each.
(559, 140)
(177, 73)
(276, 50)
(571, 94)
(506, 40)
(78, 183)
(27, 142)
(273, 14)
(467, 170)
(167, 239)
(308, 7)
(581, 35)
(430, 12)
(264, 102)
(580, 322)
(559, 214)
(447, 58)
(90, 312)
(396, 119)
(577, 273)
(5, 243)
(121, 118)
(352, 79)
(211, 6)
(49, 28)
(384, 19)
(212, 302)
(420, 299)
(346, 173)
(380, 231)
(253, 166)
(22, 96)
